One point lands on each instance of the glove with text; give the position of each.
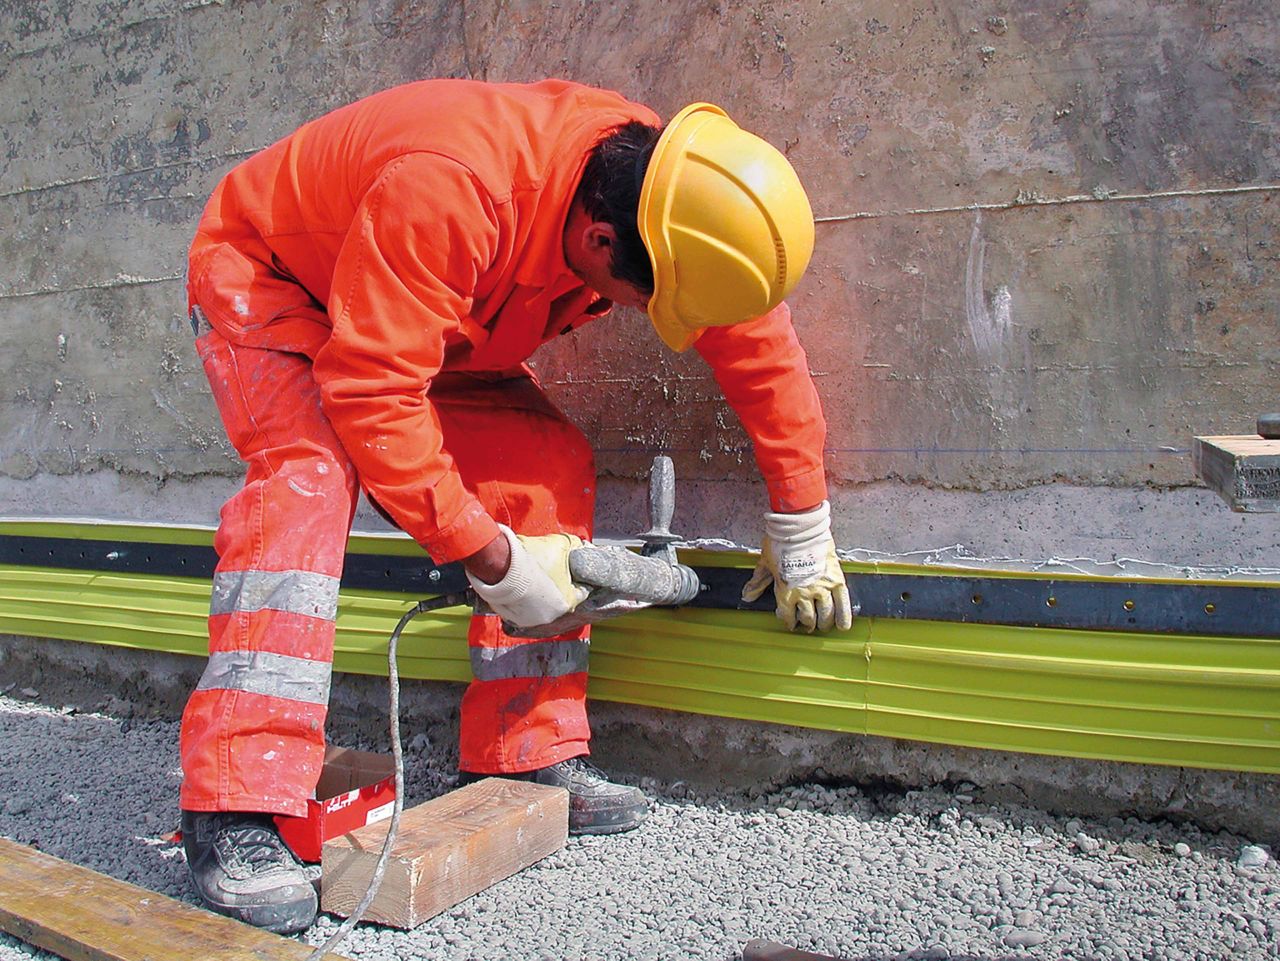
(798, 556)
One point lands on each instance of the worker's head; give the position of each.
(606, 249)
(701, 223)
(726, 222)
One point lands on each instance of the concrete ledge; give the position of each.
(1111, 529)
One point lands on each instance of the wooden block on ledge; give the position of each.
(448, 849)
(1244, 470)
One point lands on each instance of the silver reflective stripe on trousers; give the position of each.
(294, 592)
(534, 659)
(274, 675)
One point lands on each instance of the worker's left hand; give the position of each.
(798, 556)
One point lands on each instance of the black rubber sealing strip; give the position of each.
(1218, 610)
(1215, 610)
(364, 571)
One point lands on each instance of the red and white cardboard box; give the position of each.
(355, 788)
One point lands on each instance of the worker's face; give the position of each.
(618, 291)
(593, 268)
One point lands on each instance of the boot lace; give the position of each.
(583, 771)
(248, 848)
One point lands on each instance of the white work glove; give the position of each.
(537, 587)
(798, 557)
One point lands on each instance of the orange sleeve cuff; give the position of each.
(790, 494)
(471, 530)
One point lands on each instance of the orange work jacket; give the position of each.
(420, 230)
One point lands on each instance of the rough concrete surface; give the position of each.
(988, 347)
(1122, 530)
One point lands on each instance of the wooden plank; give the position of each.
(1243, 470)
(86, 916)
(447, 850)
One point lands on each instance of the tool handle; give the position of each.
(662, 494)
(649, 580)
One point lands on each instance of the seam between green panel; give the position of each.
(1209, 676)
(1126, 707)
(929, 652)
(1063, 729)
(401, 545)
(1197, 755)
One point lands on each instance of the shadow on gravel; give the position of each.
(923, 955)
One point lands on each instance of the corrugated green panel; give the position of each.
(734, 664)
(151, 613)
(169, 614)
(396, 544)
(1211, 702)
(108, 530)
(1200, 701)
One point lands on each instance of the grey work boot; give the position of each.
(596, 804)
(242, 869)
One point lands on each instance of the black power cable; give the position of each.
(397, 754)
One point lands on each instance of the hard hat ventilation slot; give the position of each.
(781, 250)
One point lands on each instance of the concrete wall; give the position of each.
(1045, 258)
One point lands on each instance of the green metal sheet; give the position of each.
(1200, 701)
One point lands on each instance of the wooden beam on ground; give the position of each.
(769, 951)
(447, 850)
(82, 915)
(1244, 470)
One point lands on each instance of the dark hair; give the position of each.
(610, 193)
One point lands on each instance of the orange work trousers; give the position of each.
(253, 730)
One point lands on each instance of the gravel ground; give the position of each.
(860, 874)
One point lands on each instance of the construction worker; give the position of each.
(365, 294)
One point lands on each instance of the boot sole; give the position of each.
(596, 829)
(603, 823)
(617, 821)
(289, 918)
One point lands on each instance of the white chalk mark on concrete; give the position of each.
(988, 326)
(115, 175)
(121, 280)
(169, 409)
(1032, 200)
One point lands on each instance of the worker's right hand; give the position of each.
(537, 587)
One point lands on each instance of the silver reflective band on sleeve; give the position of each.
(274, 675)
(534, 659)
(294, 592)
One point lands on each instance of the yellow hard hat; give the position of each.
(726, 222)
